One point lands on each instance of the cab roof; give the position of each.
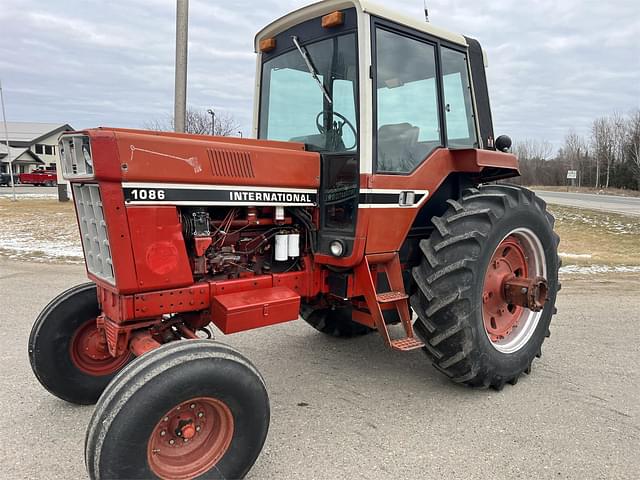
(363, 6)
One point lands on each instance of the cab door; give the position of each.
(422, 108)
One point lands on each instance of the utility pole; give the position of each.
(213, 121)
(182, 37)
(6, 137)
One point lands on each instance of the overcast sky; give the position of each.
(554, 65)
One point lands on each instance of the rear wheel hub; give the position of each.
(500, 316)
(514, 290)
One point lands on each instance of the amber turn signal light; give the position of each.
(334, 19)
(267, 44)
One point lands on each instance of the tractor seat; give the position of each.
(396, 146)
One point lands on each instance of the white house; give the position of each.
(32, 145)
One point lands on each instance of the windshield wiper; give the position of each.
(312, 70)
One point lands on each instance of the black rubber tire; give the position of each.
(49, 346)
(450, 279)
(156, 382)
(334, 322)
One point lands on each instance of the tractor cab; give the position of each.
(377, 95)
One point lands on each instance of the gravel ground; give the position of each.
(352, 409)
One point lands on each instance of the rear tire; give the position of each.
(65, 351)
(188, 409)
(451, 299)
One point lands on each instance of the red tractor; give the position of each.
(367, 199)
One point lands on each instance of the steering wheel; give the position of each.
(339, 127)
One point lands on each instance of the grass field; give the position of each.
(40, 230)
(592, 242)
(44, 230)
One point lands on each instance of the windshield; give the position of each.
(294, 107)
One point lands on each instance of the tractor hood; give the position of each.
(139, 156)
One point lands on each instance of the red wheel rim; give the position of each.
(190, 439)
(500, 318)
(90, 352)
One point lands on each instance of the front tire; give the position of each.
(188, 409)
(68, 353)
(471, 334)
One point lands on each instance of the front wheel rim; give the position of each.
(510, 327)
(90, 353)
(190, 439)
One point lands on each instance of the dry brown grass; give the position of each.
(589, 237)
(39, 229)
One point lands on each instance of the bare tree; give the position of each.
(533, 156)
(575, 153)
(633, 142)
(601, 140)
(199, 122)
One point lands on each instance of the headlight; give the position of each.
(75, 156)
(337, 248)
(87, 155)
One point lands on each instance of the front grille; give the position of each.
(93, 229)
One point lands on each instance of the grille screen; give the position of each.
(93, 230)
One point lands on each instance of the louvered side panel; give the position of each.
(231, 163)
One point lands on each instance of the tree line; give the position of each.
(608, 157)
(200, 122)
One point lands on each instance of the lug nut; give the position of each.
(163, 433)
(200, 414)
(185, 440)
(166, 419)
(198, 428)
(193, 405)
(172, 441)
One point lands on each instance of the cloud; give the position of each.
(553, 66)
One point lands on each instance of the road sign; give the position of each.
(572, 174)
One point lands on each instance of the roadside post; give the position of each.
(571, 175)
(6, 136)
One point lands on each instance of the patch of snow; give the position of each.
(21, 196)
(594, 269)
(574, 255)
(21, 245)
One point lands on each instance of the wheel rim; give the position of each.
(190, 439)
(509, 327)
(90, 353)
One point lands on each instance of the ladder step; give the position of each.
(406, 344)
(390, 297)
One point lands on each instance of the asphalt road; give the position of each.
(352, 409)
(608, 203)
(29, 190)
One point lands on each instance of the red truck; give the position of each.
(40, 177)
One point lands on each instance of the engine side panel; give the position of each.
(152, 158)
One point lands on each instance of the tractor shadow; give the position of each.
(296, 354)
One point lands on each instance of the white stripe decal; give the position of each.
(424, 196)
(189, 186)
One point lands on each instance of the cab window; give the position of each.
(461, 131)
(408, 119)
